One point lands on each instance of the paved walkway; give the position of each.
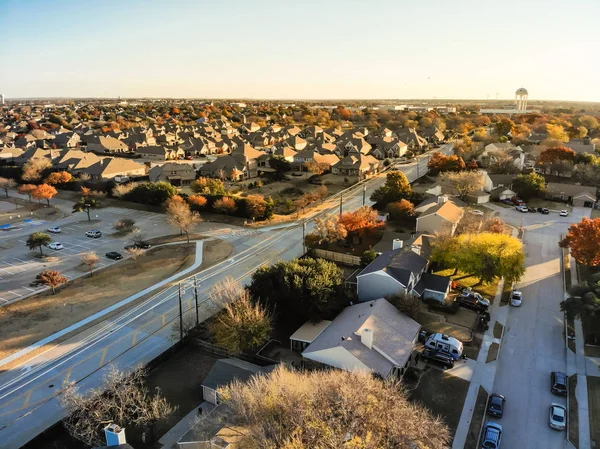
(55, 336)
(481, 373)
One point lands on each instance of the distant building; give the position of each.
(1, 98)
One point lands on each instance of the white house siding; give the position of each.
(338, 357)
(377, 285)
(431, 294)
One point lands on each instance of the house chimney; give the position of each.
(442, 199)
(397, 244)
(115, 435)
(366, 338)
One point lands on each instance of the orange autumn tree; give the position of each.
(584, 240)
(362, 220)
(401, 209)
(44, 192)
(197, 200)
(439, 163)
(557, 154)
(58, 177)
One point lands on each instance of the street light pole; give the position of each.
(180, 316)
(364, 193)
(196, 299)
(303, 238)
(341, 202)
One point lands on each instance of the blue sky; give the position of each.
(455, 49)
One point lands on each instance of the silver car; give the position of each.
(516, 298)
(558, 417)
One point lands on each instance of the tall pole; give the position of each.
(303, 238)
(364, 194)
(196, 299)
(180, 316)
(341, 202)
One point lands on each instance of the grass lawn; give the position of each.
(486, 210)
(552, 205)
(477, 420)
(505, 298)
(498, 328)
(492, 353)
(443, 394)
(573, 415)
(32, 319)
(595, 213)
(486, 290)
(593, 384)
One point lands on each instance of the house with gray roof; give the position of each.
(225, 371)
(400, 271)
(177, 174)
(372, 337)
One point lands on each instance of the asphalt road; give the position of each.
(533, 343)
(28, 403)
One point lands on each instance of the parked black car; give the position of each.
(543, 210)
(431, 356)
(532, 209)
(142, 245)
(496, 405)
(558, 383)
(114, 255)
(473, 301)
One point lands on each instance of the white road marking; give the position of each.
(16, 294)
(27, 288)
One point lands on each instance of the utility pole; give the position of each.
(196, 299)
(180, 316)
(303, 238)
(364, 193)
(341, 202)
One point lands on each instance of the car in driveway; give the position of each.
(558, 383)
(55, 230)
(564, 213)
(55, 246)
(476, 212)
(532, 210)
(558, 417)
(492, 436)
(543, 210)
(439, 358)
(114, 255)
(496, 405)
(516, 298)
(94, 234)
(522, 208)
(140, 245)
(472, 300)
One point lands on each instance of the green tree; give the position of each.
(367, 257)
(38, 240)
(208, 186)
(86, 204)
(396, 188)
(280, 165)
(243, 324)
(309, 288)
(529, 185)
(152, 193)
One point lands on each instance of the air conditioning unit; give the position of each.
(115, 435)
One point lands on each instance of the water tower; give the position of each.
(521, 99)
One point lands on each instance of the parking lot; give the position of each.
(19, 266)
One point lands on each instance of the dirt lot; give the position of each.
(27, 321)
(443, 394)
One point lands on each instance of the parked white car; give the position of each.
(56, 245)
(516, 298)
(94, 234)
(564, 213)
(55, 230)
(558, 417)
(476, 212)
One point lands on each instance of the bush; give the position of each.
(407, 304)
(152, 193)
(367, 257)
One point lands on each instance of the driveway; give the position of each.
(533, 343)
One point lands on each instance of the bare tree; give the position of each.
(33, 168)
(179, 214)
(52, 279)
(90, 259)
(328, 409)
(6, 184)
(407, 304)
(328, 229)
(122, 399)
(125, 225)
(464, 182)
(134, 253)
(120, 190)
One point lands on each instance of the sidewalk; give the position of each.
(576, 364)
(483, 374)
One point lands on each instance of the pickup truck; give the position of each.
(473, 301)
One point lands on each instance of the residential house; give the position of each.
(10, 153)
(433, 201)
(108, 145)
(577, 195)
(478, 197)
(413, 140)
(287, 152)
(356, 164)
(581, 146)
(443, 217)
(502, 193)
(110, 167)
(502, 180)
(67, 140)
(241, 164)
(388, 147)
(485, 184)
(160, 153)
(177, 174)
(301, 158)
(225, 371)
(371, 337)
(400, 271)
(493, 150)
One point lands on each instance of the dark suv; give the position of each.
(141, 245)
(473, 301)
(496, 405)
(437, 357)
(558, 383)
(543, 210)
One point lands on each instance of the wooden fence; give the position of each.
(334, 256)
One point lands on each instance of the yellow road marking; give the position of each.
(134, 337)
(27, 397)
(104, 351)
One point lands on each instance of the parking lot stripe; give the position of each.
(2, 299)
(16, 294)
(77, 226)
(27, 288)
